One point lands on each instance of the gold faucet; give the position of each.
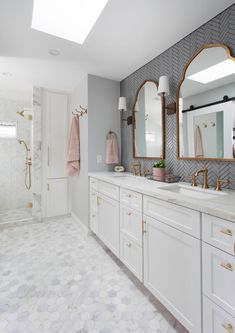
(136, 167)
(219, 182)
(197, 173)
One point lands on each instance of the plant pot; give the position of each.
(159, 174)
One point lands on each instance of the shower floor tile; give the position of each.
(14, 215)
(54, 278)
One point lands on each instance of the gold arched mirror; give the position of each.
(206, 106)
(148, 122)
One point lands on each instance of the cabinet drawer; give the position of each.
(219, 277)
(94, 221)
(219, 232)
(131, 255)
(131, 223)
(215, 319)
(182, 218)
(94, 184)
(111, 191)
(131, 199)
(93, 200)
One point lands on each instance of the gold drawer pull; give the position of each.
(228, 327)
(226, 232)
(227, 266)
(98, 201)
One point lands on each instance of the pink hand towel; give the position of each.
(73, 153)
(198, 142)
(111, 149)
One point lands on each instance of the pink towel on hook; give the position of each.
(198, 142)
(111, 149)
(73, 153)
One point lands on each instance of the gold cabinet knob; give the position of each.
(128, 244)
(226, 232)
(129, 213)
(227, 266)
(228, 327)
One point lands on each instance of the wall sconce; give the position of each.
(122, 106)
(164, 90)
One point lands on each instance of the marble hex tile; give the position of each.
(54, 278)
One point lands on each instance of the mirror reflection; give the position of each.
(206, 106)
(148, 122)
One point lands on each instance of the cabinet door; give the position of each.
(108, 222)
(57, 197)
(172, 271)
(56, 134)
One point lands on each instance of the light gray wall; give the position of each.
(103, 116)
(79, 183)
(100, 96)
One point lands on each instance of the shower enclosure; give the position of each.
(16, 143)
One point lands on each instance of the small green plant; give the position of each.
(161, 164)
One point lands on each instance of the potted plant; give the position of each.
(159, 170)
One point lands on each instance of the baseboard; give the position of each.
(76, 218)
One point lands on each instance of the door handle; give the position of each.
(48, 156)
(48, 187)
(143, 227)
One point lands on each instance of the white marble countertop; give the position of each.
(222, 205)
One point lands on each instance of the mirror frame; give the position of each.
(133, 124)
(195, 54)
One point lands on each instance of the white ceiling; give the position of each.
(128, 34)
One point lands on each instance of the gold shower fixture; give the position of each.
(28, 162)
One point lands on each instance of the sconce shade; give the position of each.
(163, 86)
(122, 104)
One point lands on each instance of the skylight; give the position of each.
(68, 19)
(218, 71)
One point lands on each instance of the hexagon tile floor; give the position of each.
(56, 279)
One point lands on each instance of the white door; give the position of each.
(108, 222)
(57, 197)
(172, 271)
(57, 113)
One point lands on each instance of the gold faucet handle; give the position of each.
(220, 182)
(145, 172)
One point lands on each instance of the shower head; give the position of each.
(21, 113)
(24, 143)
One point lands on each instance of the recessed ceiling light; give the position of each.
(218, 71)
(6, 73)
(54, 52)
(68, 19)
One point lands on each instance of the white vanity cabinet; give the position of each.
(131, 239)
(218, 274)
(172, 262)
(184, 257)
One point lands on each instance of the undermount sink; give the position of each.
(192, 192)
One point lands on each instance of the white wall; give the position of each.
(100, 96)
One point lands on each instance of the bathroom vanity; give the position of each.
(178, 240)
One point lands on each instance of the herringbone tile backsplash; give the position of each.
(220, 29)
